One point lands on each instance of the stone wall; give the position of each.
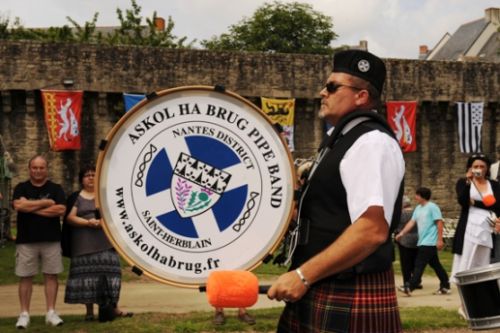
(105, 72)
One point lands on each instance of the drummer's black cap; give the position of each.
(362, 64)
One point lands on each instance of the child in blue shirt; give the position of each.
(429, 220)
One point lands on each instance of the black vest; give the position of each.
(325, 213)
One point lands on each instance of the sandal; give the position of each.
(122, 314)
(246, 318)
(219, 318)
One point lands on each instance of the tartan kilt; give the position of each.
(363, 303)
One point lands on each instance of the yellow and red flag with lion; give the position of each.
(62, 117)
(281, 111)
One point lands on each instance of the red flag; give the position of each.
(62, 117)
(401, 117)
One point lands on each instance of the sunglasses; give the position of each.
(478, 156)
(332, 87)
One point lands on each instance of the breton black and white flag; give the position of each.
(470, 122)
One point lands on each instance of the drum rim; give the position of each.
(478, 274)
(481, 269)
(101, 159)
(484, 323)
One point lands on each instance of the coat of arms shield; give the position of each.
(196, 185)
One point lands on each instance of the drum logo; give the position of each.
(192, 184)
(198, 186)
(192, 191)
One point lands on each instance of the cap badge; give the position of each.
(363, 66)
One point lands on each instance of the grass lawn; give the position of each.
(7, 262)
(413, 319)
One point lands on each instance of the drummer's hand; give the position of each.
(288, 288)
(497, 225)
(440, 244)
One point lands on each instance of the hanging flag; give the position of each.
(401, 116)
(62, 117)
(470, 122)
(131, 100)
(281, 111)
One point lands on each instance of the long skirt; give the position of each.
(364, 303)
(85, 277)
(473, 255)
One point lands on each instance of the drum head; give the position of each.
(194, 180)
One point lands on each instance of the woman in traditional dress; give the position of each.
(93, 258)
(479, 199)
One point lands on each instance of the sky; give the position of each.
(393, 28)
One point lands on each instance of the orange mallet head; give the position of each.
(232, 289)
(489, 200)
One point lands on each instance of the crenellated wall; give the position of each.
(104, 72)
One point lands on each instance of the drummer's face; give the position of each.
(337, 103)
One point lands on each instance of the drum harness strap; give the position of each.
(347, 123)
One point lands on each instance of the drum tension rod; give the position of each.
(137, 270)
(219, 88)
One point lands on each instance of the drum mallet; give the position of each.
(233, 289)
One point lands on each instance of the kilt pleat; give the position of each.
(364, 303)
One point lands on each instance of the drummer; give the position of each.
(341, 277)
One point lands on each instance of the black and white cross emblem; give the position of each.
(364, 65)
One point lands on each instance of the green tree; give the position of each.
(132, 31)
(56, 34)
(87, 33)
(16, 31)
(279, 27)
(4, 27)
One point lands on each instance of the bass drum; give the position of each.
(193, 180)
(479, 290)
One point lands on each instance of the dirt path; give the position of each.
(151, 296)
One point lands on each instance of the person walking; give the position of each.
(407, 245)
(429, 220)
(341, 277)
(39, 204)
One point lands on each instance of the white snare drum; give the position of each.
(480, 292)
(192, 180)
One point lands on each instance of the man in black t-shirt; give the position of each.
(39, 204)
